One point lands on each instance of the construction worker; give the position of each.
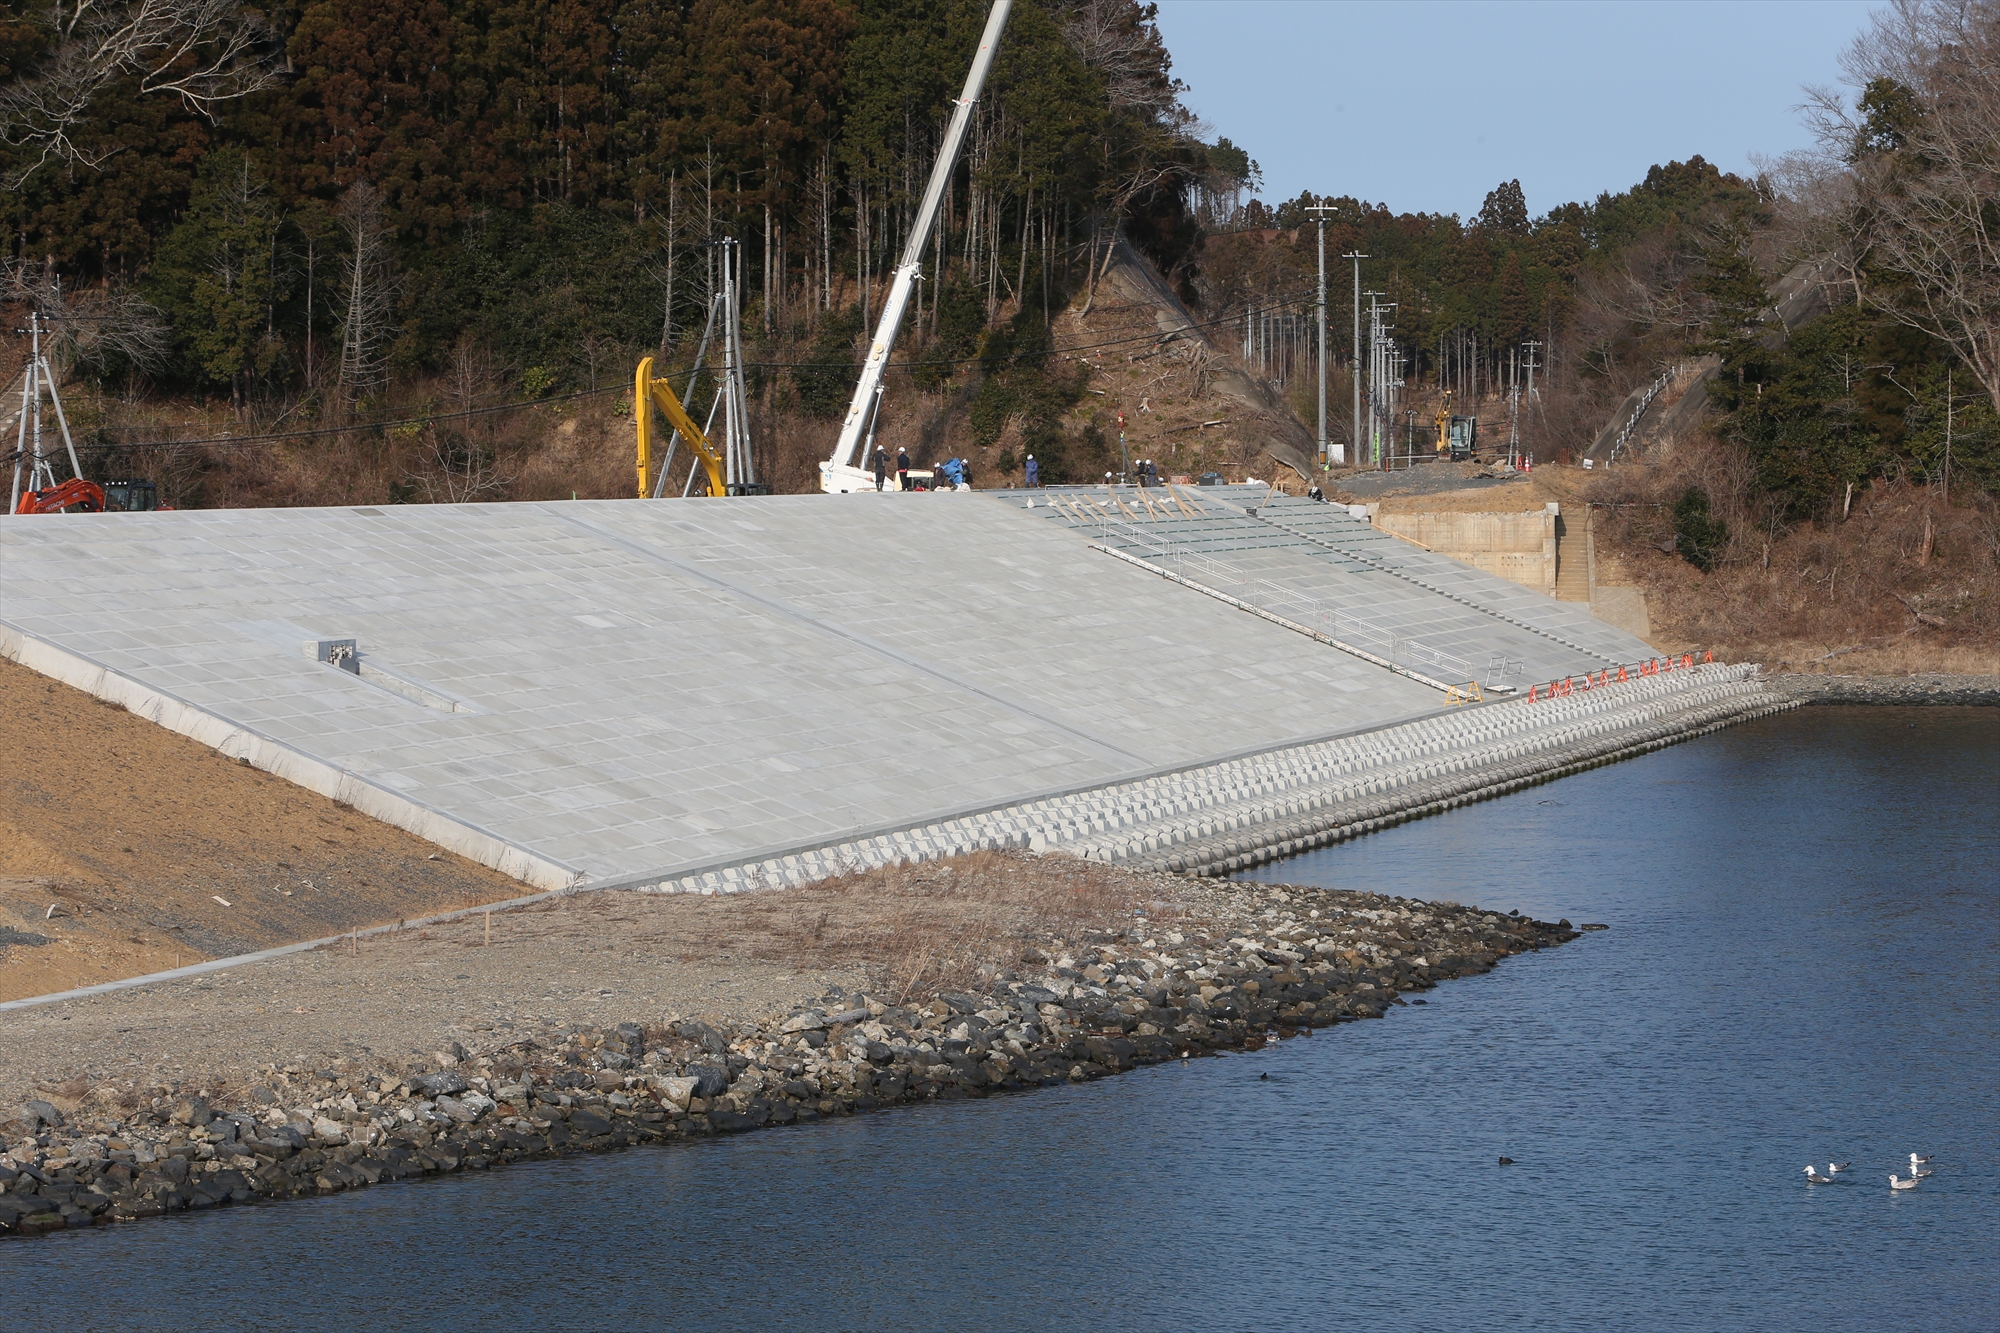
(1034, 470)
(881, 467)
(902, 469)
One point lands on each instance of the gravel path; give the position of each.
(402, 997)
(1220, 966)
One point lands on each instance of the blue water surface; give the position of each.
(1801, 966)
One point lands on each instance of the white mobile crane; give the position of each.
(847, 471)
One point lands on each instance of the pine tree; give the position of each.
(217, 275)
(1739, 311)
(1505, 210)
(1513, 314)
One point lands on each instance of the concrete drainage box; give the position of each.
(342, 653)
(345, 654)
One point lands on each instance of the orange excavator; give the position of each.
(38, 491)
(79, 496)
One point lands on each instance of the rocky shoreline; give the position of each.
(1981, 691)
(1245, 965)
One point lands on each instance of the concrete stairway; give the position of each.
(1573, 559)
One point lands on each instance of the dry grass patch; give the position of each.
(921, 929)
(1904, 582)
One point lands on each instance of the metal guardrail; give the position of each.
(1302, 608)
(1659, 385)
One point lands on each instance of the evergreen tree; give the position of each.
(1513, 313)
(1698, 535)
(826, 382)
(1739, 311)
(217, 275)
(1505, 210)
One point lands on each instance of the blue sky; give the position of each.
(1425, 105)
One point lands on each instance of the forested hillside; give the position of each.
(310, 214)
(353, 238)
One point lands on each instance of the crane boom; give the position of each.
(845, 471)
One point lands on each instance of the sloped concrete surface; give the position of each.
(1407, 604)
(1226, 816)
(644, 689)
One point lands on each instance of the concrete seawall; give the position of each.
(1224, 817)
(711, 697)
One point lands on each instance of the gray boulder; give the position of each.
(441, 1084)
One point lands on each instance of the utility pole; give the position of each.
(1384, 378)
(1357, 257)
(1319, 311)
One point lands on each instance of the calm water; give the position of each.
(1802, 965)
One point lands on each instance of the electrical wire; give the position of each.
(277, 437)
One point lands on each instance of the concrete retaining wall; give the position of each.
(1519, 547)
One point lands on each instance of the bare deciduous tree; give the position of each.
(452, 469)
(202, 51)
(94, 326)
(369, 278)
(1118, 39)
(1926, 186)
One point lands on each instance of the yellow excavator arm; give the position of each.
(1444, 424)
(648, 393)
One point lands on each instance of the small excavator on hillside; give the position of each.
(1456, 436)
(79, 495)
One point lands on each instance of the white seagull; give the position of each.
(1915, 1158)
(1835, 1168)
(1917, 1168)
(1813, 1177)
(1898, 1183)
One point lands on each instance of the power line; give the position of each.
(430, 418)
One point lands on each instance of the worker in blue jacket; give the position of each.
(1034, 471)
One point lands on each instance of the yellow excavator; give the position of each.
(1456, 436)
(648, 393)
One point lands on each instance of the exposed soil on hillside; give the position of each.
(131, 834)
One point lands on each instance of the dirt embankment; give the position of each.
(126, 849)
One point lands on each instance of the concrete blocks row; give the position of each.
(1218, 817)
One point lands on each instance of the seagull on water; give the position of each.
(1813, 1177)
(1835, 1168)
(1898, 1183)
(1917, 1168)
